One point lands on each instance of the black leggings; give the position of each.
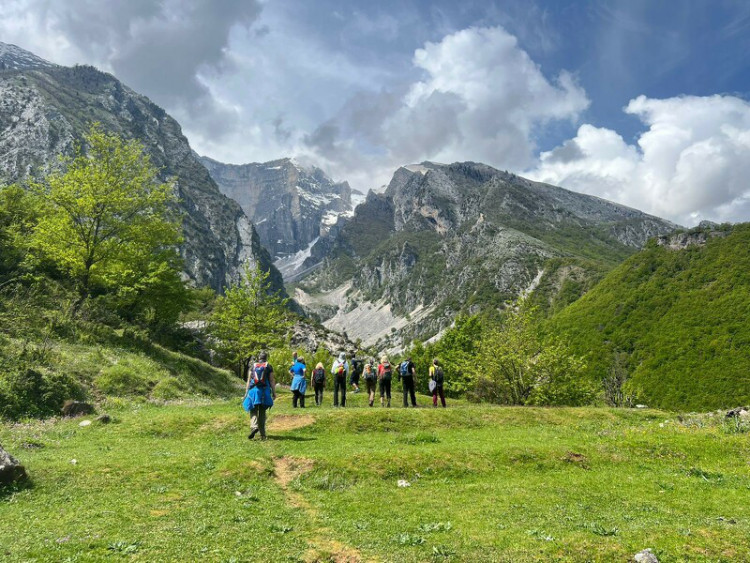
(407, 383)
(385, 388)
(319, 393)
(298, 396)
(339, 383)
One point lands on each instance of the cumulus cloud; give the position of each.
(476, 96)
(158, 48)
(691, 163)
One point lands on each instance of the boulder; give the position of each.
(77, 408)
(741, 412)
(645, 556)
(11, 471)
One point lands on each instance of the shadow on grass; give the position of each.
(8, 490)
(291, 438)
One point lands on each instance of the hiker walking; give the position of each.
(406, 371)
(385, 376)
(371, 380)
(356, 371)
(319, 382)
(259, 394)
(339, 370)
(299, 381)
(437, 378)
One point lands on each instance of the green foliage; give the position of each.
(18, 214)
(31, 392)
(507, 362)
(107, 222)
(520, 367)
(677, 318)
(122, 380)
(249, 318)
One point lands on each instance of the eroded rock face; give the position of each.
(45, 109)
(291, 205)
(11, 470)
(681, 241)
(445, 239)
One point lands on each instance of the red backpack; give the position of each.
(259, 374)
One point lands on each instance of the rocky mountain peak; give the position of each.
(292, 204)
(13, 57)
(45, 109)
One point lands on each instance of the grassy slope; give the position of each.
(183, 482)
(682, 317)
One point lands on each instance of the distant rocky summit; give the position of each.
(291, 205)
(45, 109)
(445, 239)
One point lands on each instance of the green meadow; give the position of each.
(181, 481)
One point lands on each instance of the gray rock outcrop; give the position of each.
(45, 109)
(291, 205)
(645, 556)
(445, 239)
(11, 470)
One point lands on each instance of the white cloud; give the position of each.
(691, 163)
(477, 96)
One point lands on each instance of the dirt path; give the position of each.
(284, 422)
(322, 547)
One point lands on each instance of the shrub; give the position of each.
(33, 393)
(121, 380)
(168, 388)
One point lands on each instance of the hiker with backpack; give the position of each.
(406, 371)
(319, 382)
(437, 379)
(260, 392)
(299, 381)
(371, 380)
(385, 375)
(356, 371)
(339, 370)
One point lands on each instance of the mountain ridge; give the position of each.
(449, 238)
(45, 109)
(291, 205)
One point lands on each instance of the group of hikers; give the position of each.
(260, 389)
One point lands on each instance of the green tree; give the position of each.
(249, 318)
(108, 222)
(18, 214)
(521, 367)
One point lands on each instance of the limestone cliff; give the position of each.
(45, 109)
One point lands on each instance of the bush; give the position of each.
(32, 393)
(168, 388)
(121, 380)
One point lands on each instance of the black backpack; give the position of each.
(371, 375)
(438, 376)
(387, 371)
(319, 375)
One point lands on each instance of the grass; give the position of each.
(478, 483)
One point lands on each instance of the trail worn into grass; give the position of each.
(323, 547)
(285, 422)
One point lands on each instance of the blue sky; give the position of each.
(641, 102)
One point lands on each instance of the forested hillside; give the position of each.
(674, 318)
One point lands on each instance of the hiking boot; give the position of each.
(252, 434)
